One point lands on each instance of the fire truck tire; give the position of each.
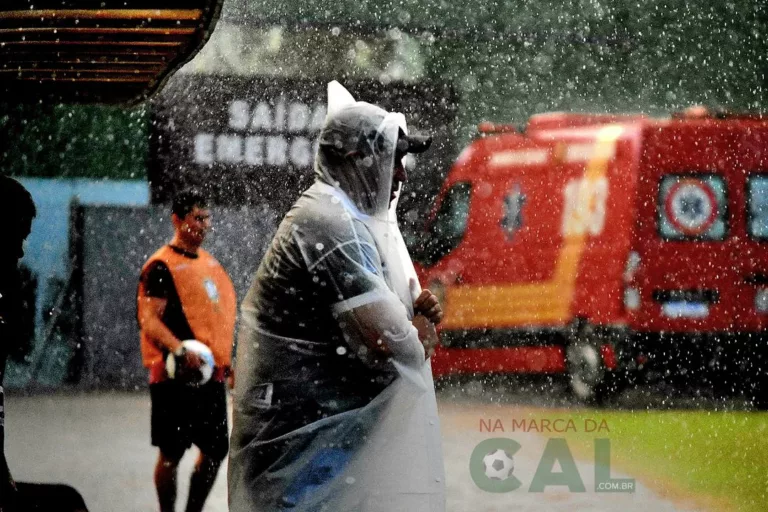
(586, 372)
(760, 402)
(758, 391)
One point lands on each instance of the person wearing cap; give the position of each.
(334, 403)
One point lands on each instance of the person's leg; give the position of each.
(201, 482)
(211, 435)
(170, 433)
(165, 480)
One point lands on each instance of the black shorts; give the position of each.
(185, 415)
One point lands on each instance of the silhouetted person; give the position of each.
(17, 211)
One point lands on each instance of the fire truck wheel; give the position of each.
(586, 371)
(758, 391)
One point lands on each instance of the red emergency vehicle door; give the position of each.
(702, 253)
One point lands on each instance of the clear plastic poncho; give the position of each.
(334, 402)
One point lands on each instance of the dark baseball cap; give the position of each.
(413, 142)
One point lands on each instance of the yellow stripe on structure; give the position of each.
(543, 302)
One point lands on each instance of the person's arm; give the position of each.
(380, 325)
(428, 305)
(151, 321)
(229, 373)
(427, 314)
(152, 305)
(8, 494)
(344, 261)
(427, 333)
(379, 330)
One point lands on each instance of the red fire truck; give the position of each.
(588, 243)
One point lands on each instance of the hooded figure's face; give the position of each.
(399, 176)
(357, 151)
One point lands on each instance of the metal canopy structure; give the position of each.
(86, 51)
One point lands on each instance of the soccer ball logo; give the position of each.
(498, 465)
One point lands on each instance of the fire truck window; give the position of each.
(512, 220)
(758, 206)
(692, 207)
(447, 231)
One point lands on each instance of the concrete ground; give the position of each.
(99, 443)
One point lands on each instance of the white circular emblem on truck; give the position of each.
(691, 206)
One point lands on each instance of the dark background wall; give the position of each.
(247, 140)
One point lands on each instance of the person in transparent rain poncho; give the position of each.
(334, 406)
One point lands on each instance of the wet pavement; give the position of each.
(99, 443)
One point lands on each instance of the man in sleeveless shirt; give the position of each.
(184, 293)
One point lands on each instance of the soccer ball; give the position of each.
(206, 369)
(498, 465)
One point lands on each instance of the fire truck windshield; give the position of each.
(447, 230)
